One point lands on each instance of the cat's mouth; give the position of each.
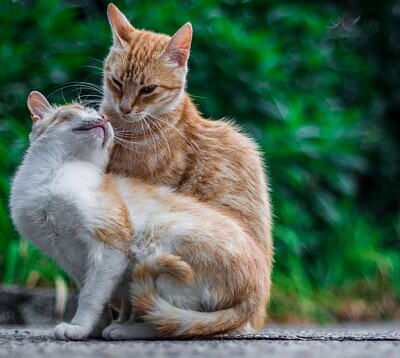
(132, 118)
(92, 127)
(104, 128)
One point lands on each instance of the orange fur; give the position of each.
(232, 314)
(208, 160)
(235, 266)
(116, 229)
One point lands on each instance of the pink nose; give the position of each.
(125, 109)
(105, 118)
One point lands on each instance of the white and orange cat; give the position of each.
(164, 140)
(188, 269)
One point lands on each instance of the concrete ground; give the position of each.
(369, 340)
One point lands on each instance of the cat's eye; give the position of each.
(147, 89)
(116, 82)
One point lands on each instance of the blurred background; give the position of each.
(315, 82)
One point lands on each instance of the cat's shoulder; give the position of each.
(229, 134)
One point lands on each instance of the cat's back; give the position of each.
(227, 171)
(221, 145)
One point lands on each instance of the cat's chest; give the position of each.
(56, 203)
(150, 164)
(55, 212)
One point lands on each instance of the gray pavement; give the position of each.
(367, 340)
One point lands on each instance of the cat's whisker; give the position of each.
(86, 85)
(127, 133)
(126, 121)
(91, 96)
(127, 141)
(152, 137)
(118, 140)
(74, 88)
(163, 120)
(193, 96)
(96, 59)
(119, 131)
(89, 103)
(141, 127)
(62, 94)
(94, 67)
(162, 134)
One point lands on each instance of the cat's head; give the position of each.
(77, 131)
(145, 72)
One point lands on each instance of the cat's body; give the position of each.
(226, 174)
(165, 141)
(192, 271)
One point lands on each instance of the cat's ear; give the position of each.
(178, 48)
(38, 106)
(120, 26)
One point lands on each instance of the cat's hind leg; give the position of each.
(125, 311)
(129, 330)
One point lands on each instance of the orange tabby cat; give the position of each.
(161, 138)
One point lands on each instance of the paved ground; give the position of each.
(373, 340)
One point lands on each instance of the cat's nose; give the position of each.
(105, 118)
(125, 109)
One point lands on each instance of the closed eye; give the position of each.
(148, 89)
(116, 82)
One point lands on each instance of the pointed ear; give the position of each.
(38, 106)
(178, 48)
(120, 26)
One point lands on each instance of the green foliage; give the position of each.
(314, 83)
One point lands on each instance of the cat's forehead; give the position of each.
(67, 112)
(72, 108)
(134, 61)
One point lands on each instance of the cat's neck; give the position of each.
(45, 158)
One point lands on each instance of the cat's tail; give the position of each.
(171, 321)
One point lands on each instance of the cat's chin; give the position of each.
(108, 135)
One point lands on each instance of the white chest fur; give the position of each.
(51, 204)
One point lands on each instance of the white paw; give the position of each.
(73, 332)
(114, 331)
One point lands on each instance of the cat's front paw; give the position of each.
(70, 332)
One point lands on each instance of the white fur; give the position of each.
(55, 203)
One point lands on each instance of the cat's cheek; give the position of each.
(112, 96)
(169, 103)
